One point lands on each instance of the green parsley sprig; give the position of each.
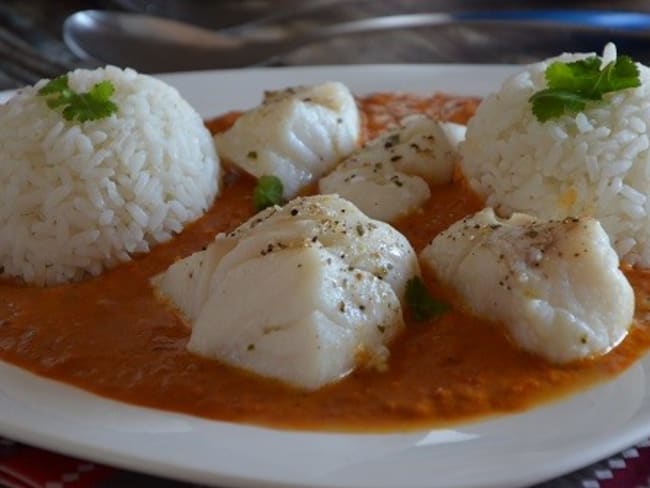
(92, 105)
(267, 192)
(422, 305)
(572, 85)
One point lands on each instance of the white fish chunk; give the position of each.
(299, 315)
(422, 146)
(455, 134)
(303, 293)
(390, 176)
(555, 285)
(381, 194)
(187, 281)
(296, 134)
(363, 243)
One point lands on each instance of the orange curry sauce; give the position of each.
(111, 336)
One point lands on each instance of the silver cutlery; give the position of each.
(22, 63)
(154, 44)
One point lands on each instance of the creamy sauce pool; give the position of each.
(111, 336)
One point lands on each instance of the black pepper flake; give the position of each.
(532, 233)
(250, 347)
(396, 158)
(314, 239)
(252, 155)
(391, 141)
(362, 307)
(381, 328)
(339, 120)
(294, 212)
(360, 230)
(342, 307)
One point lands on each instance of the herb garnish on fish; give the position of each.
(423, 306)
(267, 192)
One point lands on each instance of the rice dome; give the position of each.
(595, 163)
(78, 197)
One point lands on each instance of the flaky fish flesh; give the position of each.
(556, 285)
(296, 134)
(390, 176)
(302, 293)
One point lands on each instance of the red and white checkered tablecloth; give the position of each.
(23, 466)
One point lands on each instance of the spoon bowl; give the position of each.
(149, 44)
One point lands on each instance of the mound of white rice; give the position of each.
(596, 163)
(76, 198)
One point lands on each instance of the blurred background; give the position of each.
(31, 44)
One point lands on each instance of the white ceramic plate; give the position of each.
(508, 451)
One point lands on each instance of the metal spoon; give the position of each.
(154, 44)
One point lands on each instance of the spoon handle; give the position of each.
(579, 19)
(153, 44)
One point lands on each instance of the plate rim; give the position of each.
(98, 453)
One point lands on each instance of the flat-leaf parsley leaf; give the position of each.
(572, 85)
(422, 305)
(92, 105)
(267, 192)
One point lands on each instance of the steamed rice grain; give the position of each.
(595, 163)
(76, 198)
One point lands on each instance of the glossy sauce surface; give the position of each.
(110, 335)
